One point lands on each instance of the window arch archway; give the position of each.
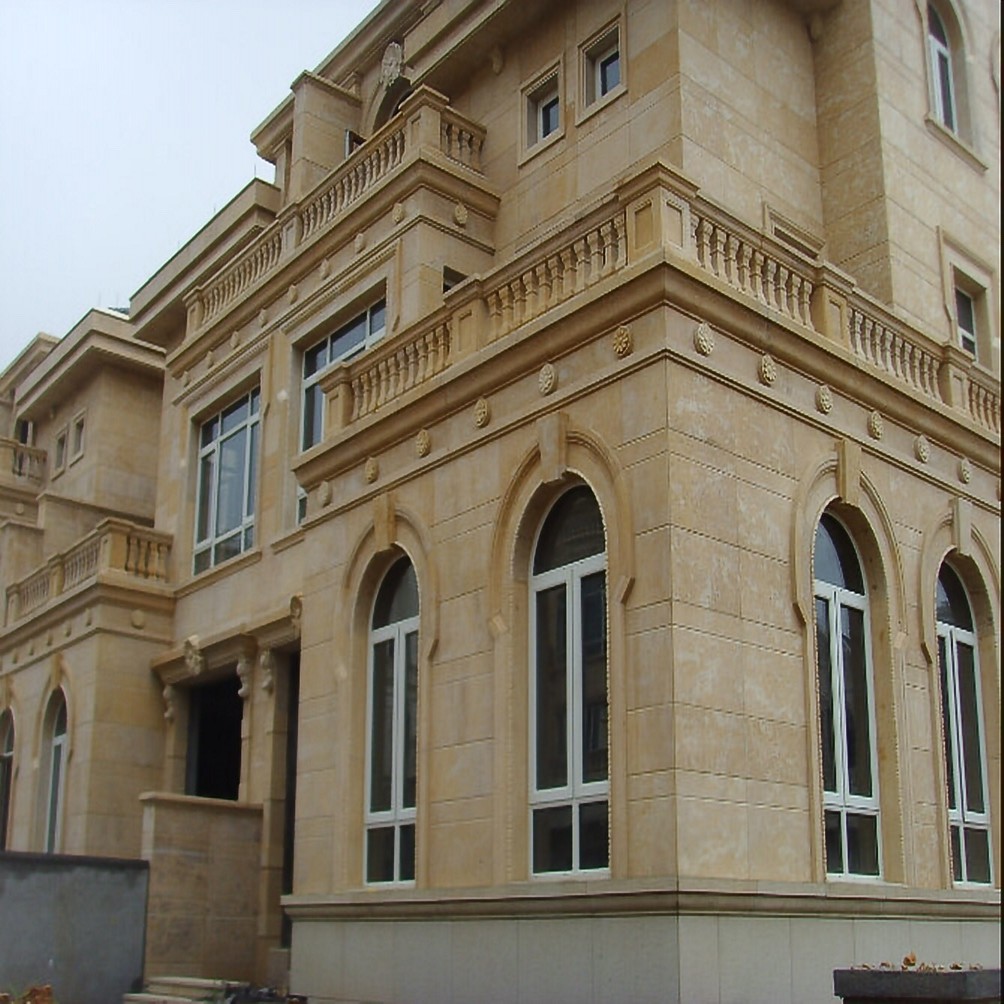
(392, 727)
(6, 775)
(846, 704)
(569, 703)
(945, 47)
(963, 735)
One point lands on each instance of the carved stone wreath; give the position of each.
(876, 425)
(824, 399)
(704, 339)
(423, 442)
(482, 412)
(547, 379)
(922, 449)
(372, 470)
(623, 343)
(965, 470)
(768, 370)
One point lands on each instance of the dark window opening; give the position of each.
(214, 740)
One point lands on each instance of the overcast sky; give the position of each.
(124, 126)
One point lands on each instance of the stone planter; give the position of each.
(877, 986)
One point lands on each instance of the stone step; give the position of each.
(187, 987)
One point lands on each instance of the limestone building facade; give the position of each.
(569, 568)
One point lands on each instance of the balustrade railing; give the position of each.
(983, 398)
(425, 122)
(25, 463)
(114, 547)
(896, 351)
(747, 265)
(390, 374)
(555, 277)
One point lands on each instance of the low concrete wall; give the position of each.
(74, 922)
(205, 860)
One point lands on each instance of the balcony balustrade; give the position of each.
(114, 551)
(21, 464)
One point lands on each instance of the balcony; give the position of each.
(115, 552)
(21, 465)
(426, 128)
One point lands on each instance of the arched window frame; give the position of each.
(840, 804)
(577, 793)
(965, 823)
(399, 816)
(941, 64)
(54, 768)
(6, 774)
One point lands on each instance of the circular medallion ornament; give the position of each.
(423, 443)
(547, 379)
(922, 449)
(824, 399)
(372, 470)
(397, 213)
(876, 425)
(704, 339)
(965, 471)
(482, 412)
(623, 344)
(768, 370)
(360, 242)
(460, 214)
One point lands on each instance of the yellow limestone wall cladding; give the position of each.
(749, 114)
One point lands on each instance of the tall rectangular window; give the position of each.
(228, 476)
(965, 320)
(601, 71)
(350, 338)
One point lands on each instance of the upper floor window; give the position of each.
(570, 786)
(228, 476)
(962, 728)
(6, 773)
(53, 771)
(942, 72)
(542, 112)
(59, 453)
(392, 728)
(77, 437)
(846, 703)
(364, 330)
(601, 65)
(965, 319)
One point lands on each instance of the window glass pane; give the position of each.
(947, 727)
(315, 359)
(548, 116)
(252, 482)
(857, 723)
(378, 319)
(552, 696)
(397, 599)
(207, 467)
(862, 844)
(228, 548)
(552, 839)
(935, 27)
(944, 69)
(977, 855)
(202, 560)
(348, 338)
(313, 416)
(55, 778)
(234, 416)
(594, 677)
(834, 559)
(610, 72)
(594, 846)
(410, 719)
(382, 727)
(406, 864)
(957, 853)
(825, 666)
(969, 716)
(209, 431)
(380, 854)
(834, 844)
(573, 530)
(952, 603)
(230, 494)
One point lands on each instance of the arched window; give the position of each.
(54, 769)
(569, 769)
(846, 703)
(392, 728)
(962, 727)
(942, 71)
(6, 773)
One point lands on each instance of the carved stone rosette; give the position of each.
(372, 470)
(704, 339)
(876, 425)
(922, 449)
(623, 343)
(547, 379)
(965, 470)
(423, 442)
(767, 370)
(824, 399)
(482, 412)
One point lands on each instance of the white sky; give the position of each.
(124, 126)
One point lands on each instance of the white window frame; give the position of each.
(245, 531)
(593, 53)
(535, 97)
(78, 430)
(575, 792)
(961, 816)
(56, 768)
(373, 314)
(967, 336)
(945, 105)
(842, 801)
(398, 815)
(60, 450)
